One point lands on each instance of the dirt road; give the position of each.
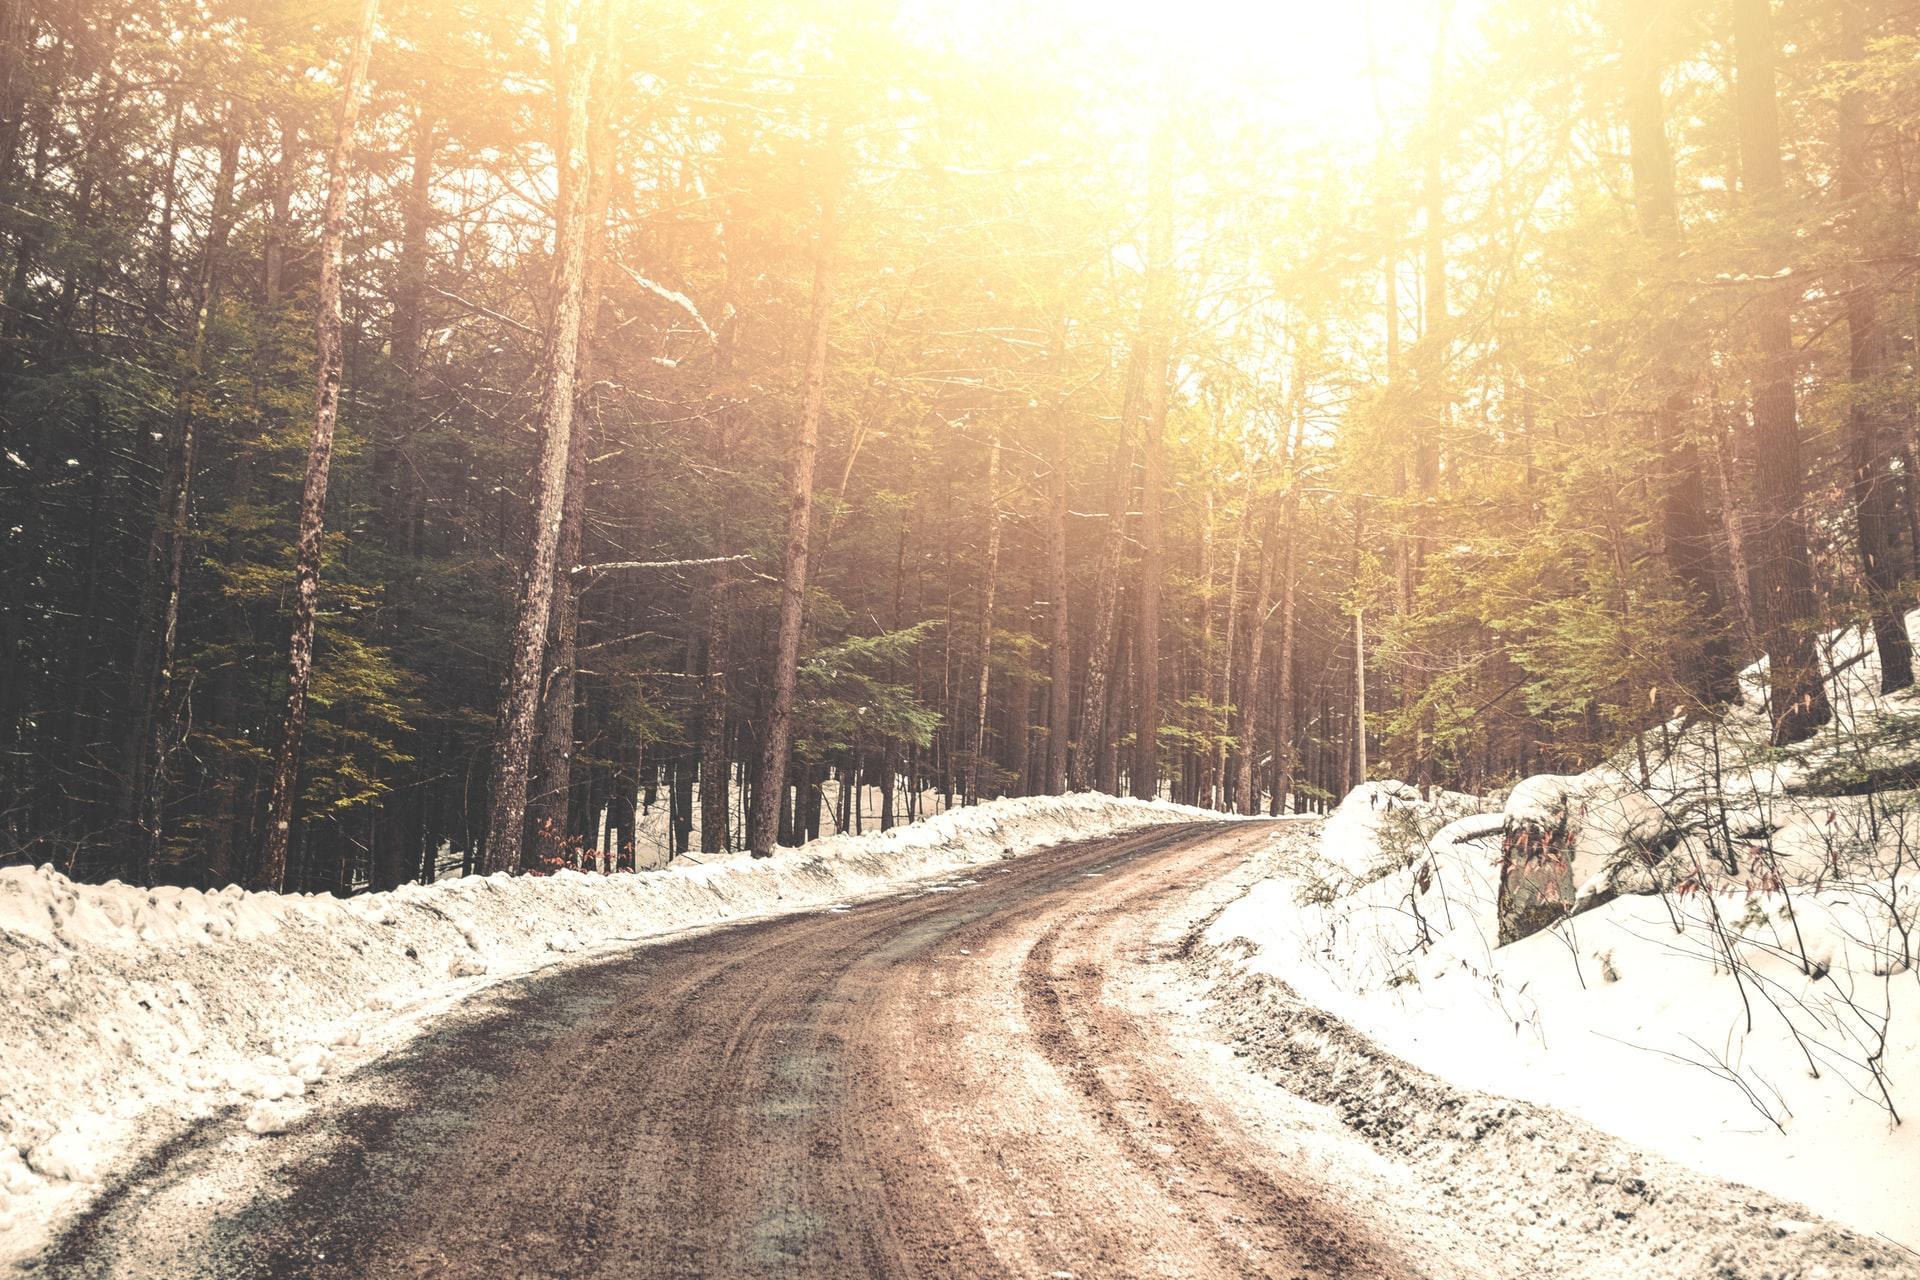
(939, 1083)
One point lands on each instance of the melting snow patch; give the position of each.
(268, 1117)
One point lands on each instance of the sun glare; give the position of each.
(1330, 69)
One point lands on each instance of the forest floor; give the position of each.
(1042, 1067)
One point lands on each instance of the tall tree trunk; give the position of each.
(1226, 670)
(1019, 739)
(16, 35)
(1434, 377)
(520, 703)
(397, 488)
(550, 806)
(157, 637)
(716, 772)
(1209, 721)
(1360, 766)
(714, 779)
(890, 751)
(273, 251)
(1246, 792)
(162, 294)
(1732, 504)
(1097, 731)
(1783, 566)
(313, 495)
(1159, 339)
(1686, 528)
(1283, 732)
(770, 787)
(1872, 479)
(987, 590)
(1116, 708)
(1059, 656)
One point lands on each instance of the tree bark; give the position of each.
(520, 703)
(313, 494)
(397, 490)
(1359, 751)
(156, 640)
(1246, 792)
(1210, 695)
(1059, 657)
(16, 33)
(1708, 674)
(550, 806)
(1097, 732)
(1739, 566)
(714, 777)
(1872, 485)
(1158, 325)
(1283, 732)
(770, 787)
(1224, 683)
(1116, 707)
(1784, 569)
(1434, 375)
(987, 590)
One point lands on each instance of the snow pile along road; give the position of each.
(1734, 982)
(132, 1012)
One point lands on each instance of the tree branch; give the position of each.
(611, 565)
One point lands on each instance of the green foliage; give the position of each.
(846, 695)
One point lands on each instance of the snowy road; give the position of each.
(932, 1083)
(1011, 1074)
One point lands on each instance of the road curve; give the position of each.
(941, 1083)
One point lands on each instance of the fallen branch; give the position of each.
(1901, 776)
(611, 565)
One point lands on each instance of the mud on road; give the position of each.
(941, 1083)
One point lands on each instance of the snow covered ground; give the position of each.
(1738, 989)
(132, 1012)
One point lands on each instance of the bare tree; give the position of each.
(986, 620)
(770, 788)
(1685, 522)
(271, 872)
(144, 783)
(551, 804)
(1158, 325)
(520, 701)
(1246, 792)
(1783, 568)
(1059, 657)
(1873, 482)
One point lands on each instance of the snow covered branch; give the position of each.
(675, 297)
(480, 310)
(610, 565)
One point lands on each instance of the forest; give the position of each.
(439, 433)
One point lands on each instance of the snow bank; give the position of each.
(134, 1011)
(1738, 987)
(1630, 1016)
(1383, 826)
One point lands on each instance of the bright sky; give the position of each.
(1305, 63)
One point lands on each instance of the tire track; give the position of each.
(925, 1084)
